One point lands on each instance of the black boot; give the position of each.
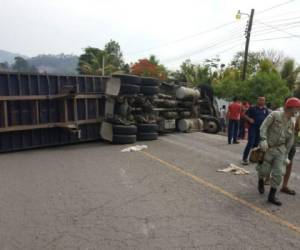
(272, 199)
(261, 186)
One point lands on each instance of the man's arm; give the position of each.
(297, 125)
(290, 143)
(265, 126)
(228, 112)
(249, 119)
(247, 116)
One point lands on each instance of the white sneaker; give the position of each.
(245, 162)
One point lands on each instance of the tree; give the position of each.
(150, 67)
(275, 56)
(145, 68)
(197, 74)
(91, 62)
(290, 73)
(253, 62)
(21, 65)
(113, 54)
(266, 82)
(55, 64)
(4, 66)
(254, 59)
(102, 61)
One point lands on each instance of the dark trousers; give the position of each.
(242, 129)
(253, 141)
(233, 128)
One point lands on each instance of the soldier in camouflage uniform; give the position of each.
(277, 137)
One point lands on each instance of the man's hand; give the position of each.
(251, 120)
(287, 161)
(264, 145)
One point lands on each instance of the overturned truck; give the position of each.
(39, 110)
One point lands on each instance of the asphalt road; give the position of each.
(92, 196)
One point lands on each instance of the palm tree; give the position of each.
(290, 73)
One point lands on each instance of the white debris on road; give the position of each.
(134, 148)
(235, 169)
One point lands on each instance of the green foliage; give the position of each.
(253, 62)
(197, 74)
(289, 73)
(274, 58)
(269, 85)
(102, 62)
(267, 82)
(21, 65)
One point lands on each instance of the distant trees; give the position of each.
(268, 74)
(55, 64)
(4, 66)
(197, 74)
(22, 65)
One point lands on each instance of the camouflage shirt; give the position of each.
(278, 131)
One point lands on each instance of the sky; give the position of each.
(172, 30)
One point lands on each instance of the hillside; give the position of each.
(53, 64)
(6, 56)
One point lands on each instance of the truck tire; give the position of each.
(124, 130)
(129, 89)
(211, 125)
(147, 128)
(128, 79)
(124, 139)
(149, 90)
(149, 81)
(147, 136)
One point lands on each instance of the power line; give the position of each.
(271, 30)
(219, 52)
(285, 13)
(183, 38)
(282, 19)
(263, 27)
(215, 45)
(275, 28)
(274, 38)
(275, 6)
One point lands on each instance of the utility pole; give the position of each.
(248, 33)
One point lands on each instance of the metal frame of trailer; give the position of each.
(38, 110)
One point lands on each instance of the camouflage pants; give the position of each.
(273, 164)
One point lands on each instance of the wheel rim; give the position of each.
(212, 126)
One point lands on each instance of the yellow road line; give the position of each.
(229, 195)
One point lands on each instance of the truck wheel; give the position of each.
(147, 128)
(124, 139)
(211, 126)
(129, 89)
(149, 90)
(149, 81)
(147, 136)
(128, 79)
(124, 130)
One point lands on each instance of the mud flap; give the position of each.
(112, 86)
(109, 108)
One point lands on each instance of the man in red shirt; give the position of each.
(234, 116)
